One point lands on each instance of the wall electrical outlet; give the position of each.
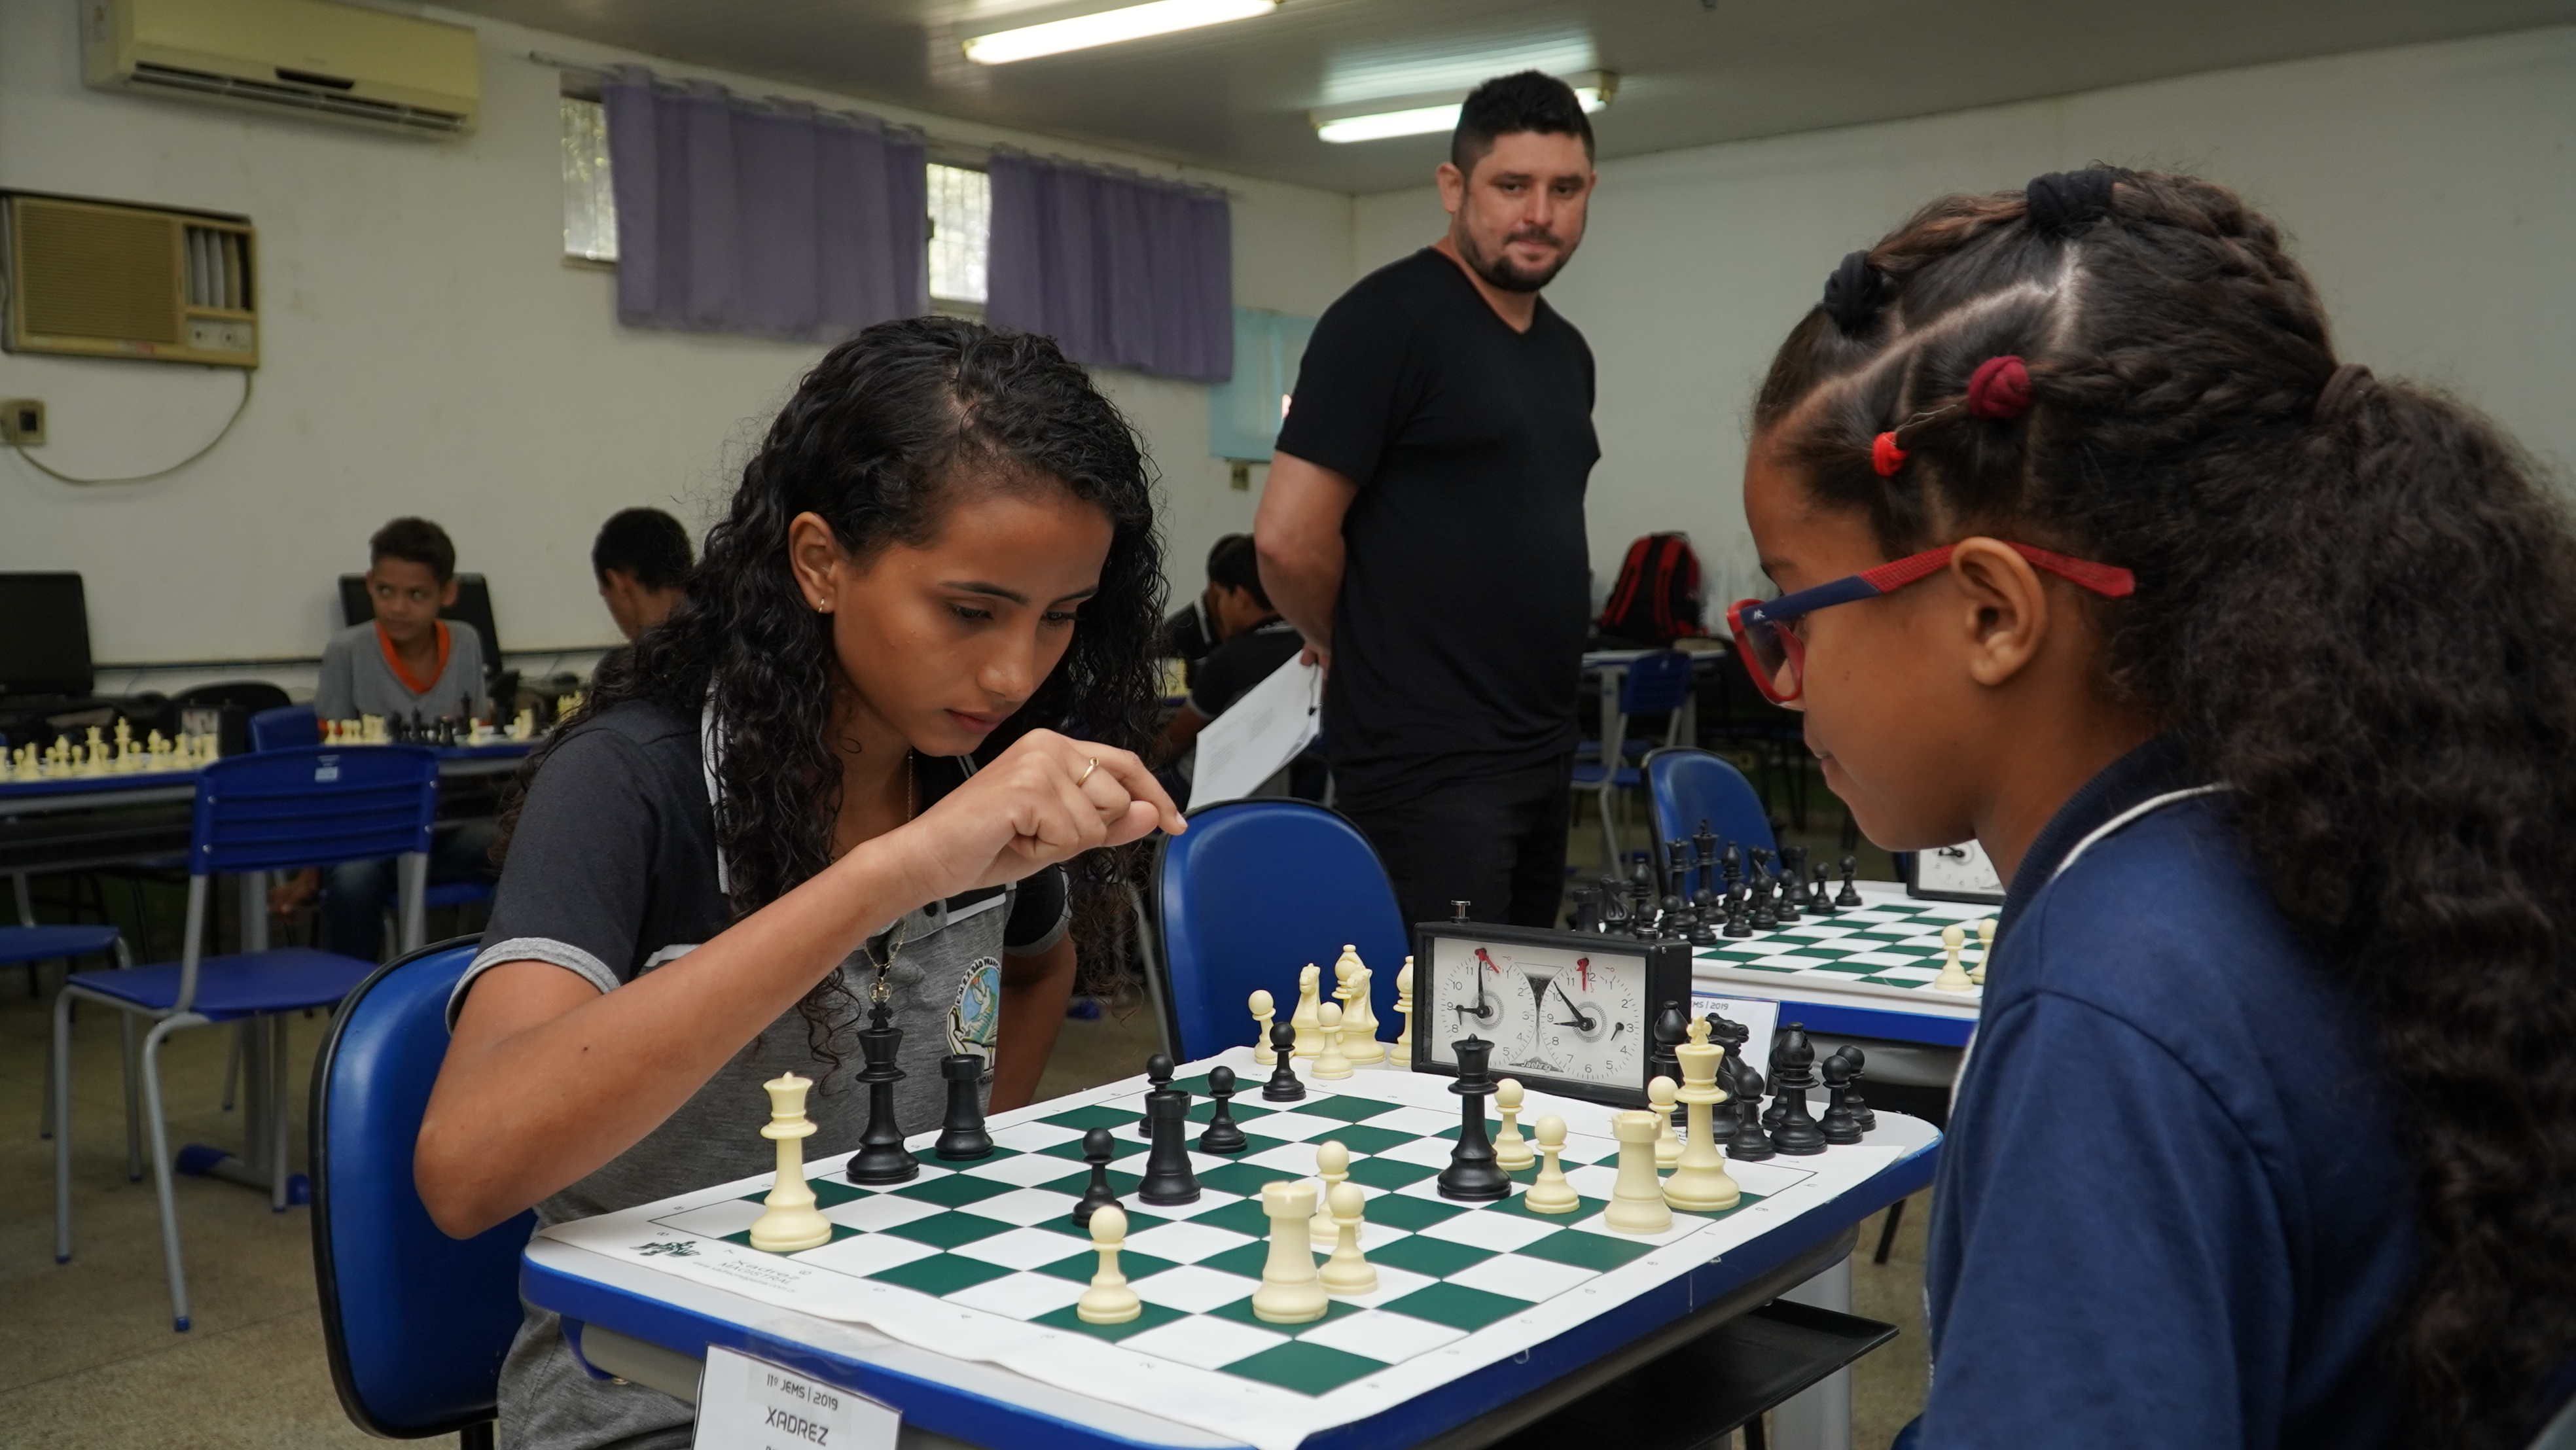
(22, 421)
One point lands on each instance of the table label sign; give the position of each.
(751, 1404)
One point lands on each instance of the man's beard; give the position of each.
(1499, 271)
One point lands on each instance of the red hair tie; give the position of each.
(1885, 456)
(2000, 389)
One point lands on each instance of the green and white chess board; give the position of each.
(980, 1260)
(1888, 948)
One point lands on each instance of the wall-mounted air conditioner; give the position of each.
(96, 279)
(311, 58)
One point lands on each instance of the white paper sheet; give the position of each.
(1258, 734)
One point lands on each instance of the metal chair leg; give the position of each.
(232, 1065)
(1887, 1231)
(160, 1130)
(133, 1101)
(58, 1076)
(277, 1106)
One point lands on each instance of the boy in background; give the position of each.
(641, 559)
(1253, 642)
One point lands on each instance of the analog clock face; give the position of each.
(1549, 1011)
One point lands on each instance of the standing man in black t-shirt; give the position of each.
(1423, 523)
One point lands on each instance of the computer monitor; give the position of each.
(44, 635)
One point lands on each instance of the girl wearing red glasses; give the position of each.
(2256, 677)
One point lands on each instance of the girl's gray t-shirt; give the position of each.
(612, 873)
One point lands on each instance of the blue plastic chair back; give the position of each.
(1656, 683)
(1254, 891)
(287, 809)
(1688, 786)
(285, 728)
(416, 1323)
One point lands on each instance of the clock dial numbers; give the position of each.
(1557, 1008)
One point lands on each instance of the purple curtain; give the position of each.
(775, 219)
(1119, 270)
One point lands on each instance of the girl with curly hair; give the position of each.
(2256, 677)
(842, 778)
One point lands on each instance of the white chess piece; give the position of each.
(1108, 1300)
(1699, 1181)
(1404, 1008)
(1660, 1095)
(1985, 950)
(1511, 1150)
(1637, 1197)
(1551, 1193)
(1359, 1023)
(1264, 1011)
(790, 1222)
(1291, 1292)
(95, 761)
(1332, 1169)
(1953, 937)
(1330, 1063)
(1347, 1272)
(1307, 1015)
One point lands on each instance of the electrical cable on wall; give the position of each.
(220, 434)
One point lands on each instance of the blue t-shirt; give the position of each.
(2171, 1207)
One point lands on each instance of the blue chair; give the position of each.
(1654, 684)
(29, 944)
(254, 814)
(1254, 891)
(416, 1323)
(1686, 786)
(288, 727)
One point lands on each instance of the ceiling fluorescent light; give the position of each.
(1424, 115)
(1108, 27)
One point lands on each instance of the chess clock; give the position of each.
(1568, 1012)
(1952, 873)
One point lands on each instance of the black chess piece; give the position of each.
(1749, 1144)
(1721, 1119)
(1704, 847)
(1820, 896)
(1641, 898)
(1703, 921)
(1733, 866)
(1614, 906)
(1861, 1114)
(1587, 909)
(1098, 1147)
(1222, 1136)
(1849, 896)
(1168, 1178)
(961, 1136)
(1472, 1174)
(1839, 1125)
(1764, 917)
(1771, 1114)
(1797, 1133)
(1783, 909)
(1283, 1086)
(1736, 925)
(419, 727)
(1793, 871)
(1671, 1030)
(882, 1157)
(1158, 1077)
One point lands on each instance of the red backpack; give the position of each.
(1656, 600)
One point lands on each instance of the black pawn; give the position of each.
(1587, 908)
(1222, 1136)
(962, 1136)
(1098, 1147)
(882, 1157)
(1764, 918)
(1783, 909)
(1793, 869)
(1820, 897)
(1672, 1029)
(1472, 1174)
(1849, 896)
(1158, 1076)
(1750, 1143)
(1797, 1134)
(1840, 1125)
(1283, 1086)
(1703, 921)
(1736, 925)
(1168, 1178)
(1861, 1114)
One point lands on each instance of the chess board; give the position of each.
(980, 1260)
(1885, 951)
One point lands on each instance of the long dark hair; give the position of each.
(875, 441)
(2354, 604)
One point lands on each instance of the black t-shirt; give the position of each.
(1458, 636)
(1241, 663)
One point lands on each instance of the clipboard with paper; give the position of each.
(1258, 734)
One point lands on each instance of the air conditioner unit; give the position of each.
(96, 279)
(325, 61)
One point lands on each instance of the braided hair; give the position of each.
(2354, 603)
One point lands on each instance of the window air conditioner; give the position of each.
(96, 279)
(324, 61)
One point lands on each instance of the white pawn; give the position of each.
(1661, 1094)
(1637, 1197)
(1953, 937)
(1291, 1292)
(1511, 1150)
(1306, 1017)
(1108, 1300)
(1551, 1193)
(789, 1221)
(1985, 950)
(1263, 1012)
(1346, 1272)
(1332, 1169)
(1330, 1063)
(1404, 1008)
